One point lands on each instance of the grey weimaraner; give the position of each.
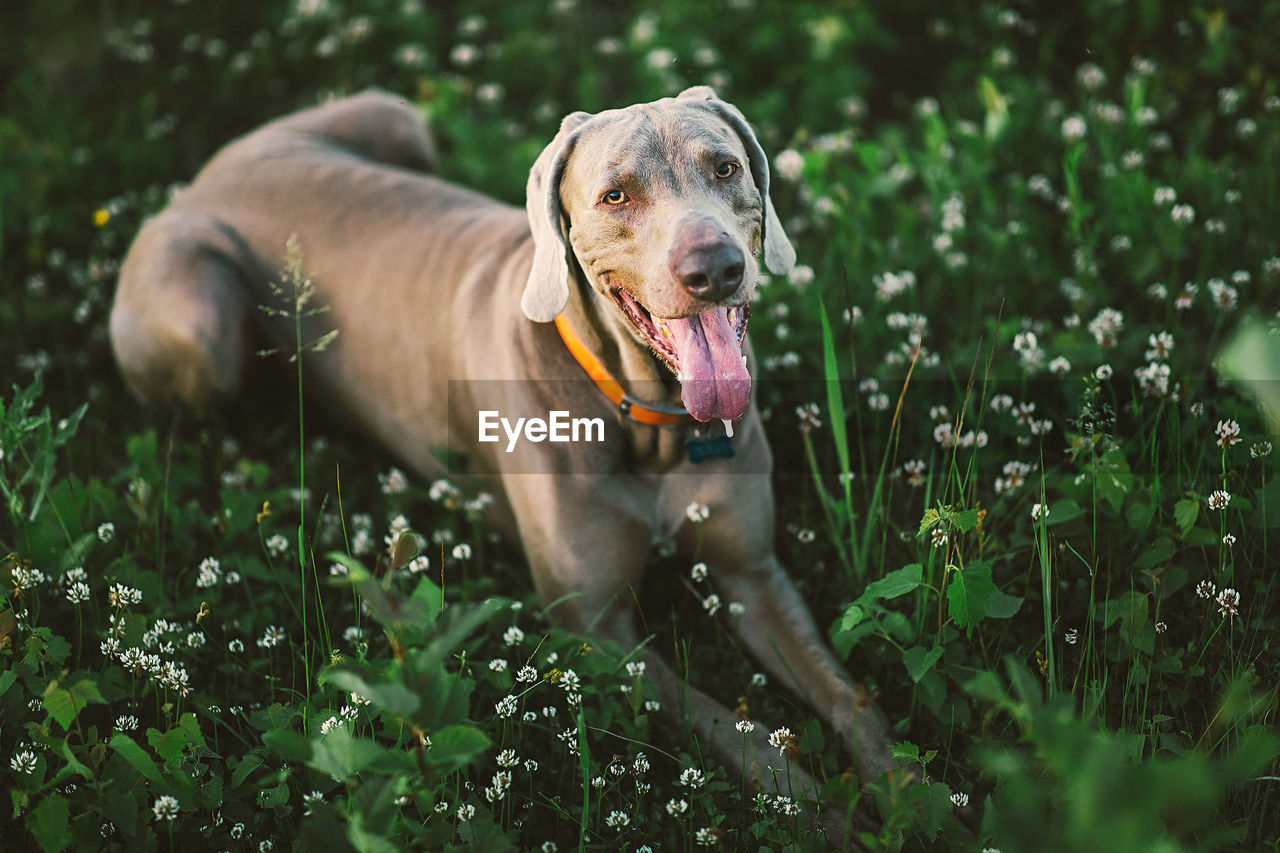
(643, 228)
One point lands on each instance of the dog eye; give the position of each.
(614, 197)
(726, 170)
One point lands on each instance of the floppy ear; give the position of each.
(779, 255)
(547, 291)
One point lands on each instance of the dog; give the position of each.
(620, 293)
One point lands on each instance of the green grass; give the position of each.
(993, 210)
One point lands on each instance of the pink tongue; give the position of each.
(714, 383)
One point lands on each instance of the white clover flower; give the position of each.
(1091, 77)
(1228, 602)
(1206, 589)
(1074, 128)
(466, 812)
(272, 637)
(1183, 214)
(23, 762)
(698, 572)
(617, 820)
(800, 276)
(526, 674)
(120, 595)
(462, 551)
(1106, 327)
(707, 837)
(1160, 346)
(1219, 499)
(1228, 432)
(505, 707)
(697, 512)
(1104, 372)
(78, 592)
(711, 604)
(1059, 366)
(1164, 196)
(781, 739)
(675, 807)
(692, 777)
(512, 636)
(209, 573)
(1038, 511)
(959, 799)
(737, 609)
(106, 531)
(635, 668)
(165, 808)
(1072, 636)
(789, 164)
(745, 726)
(498, 665)
(1260, 450)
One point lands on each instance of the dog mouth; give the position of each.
(704, 351)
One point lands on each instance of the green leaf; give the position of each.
(387, 695)
(1185, 513)
(1001, 606)
(168, 745)
(64, 704)
(191, 726)
(905, 752)
(843, 641)
(454, 747)
(50, 823)
(288, 744)
(965, 519)
(1060, 512)
(894, 584)
(119, 807)
(967, 595)
(431, 597)
(129, 749)
(73, 765)
(920, 661)
(247, 765)
(853, 614)
(342, 756)
(60, 704)
(931, 519)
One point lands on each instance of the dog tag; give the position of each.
(702, 448)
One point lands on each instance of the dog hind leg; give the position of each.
(179, 320)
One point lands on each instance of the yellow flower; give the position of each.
(101, 217)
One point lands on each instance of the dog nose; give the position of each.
(710, 273)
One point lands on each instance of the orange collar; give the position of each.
(651, 414)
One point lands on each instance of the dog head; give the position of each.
(664, 208)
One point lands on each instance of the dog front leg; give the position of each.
(591, 573)
(780, 632)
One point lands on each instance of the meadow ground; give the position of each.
(1022, 390)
